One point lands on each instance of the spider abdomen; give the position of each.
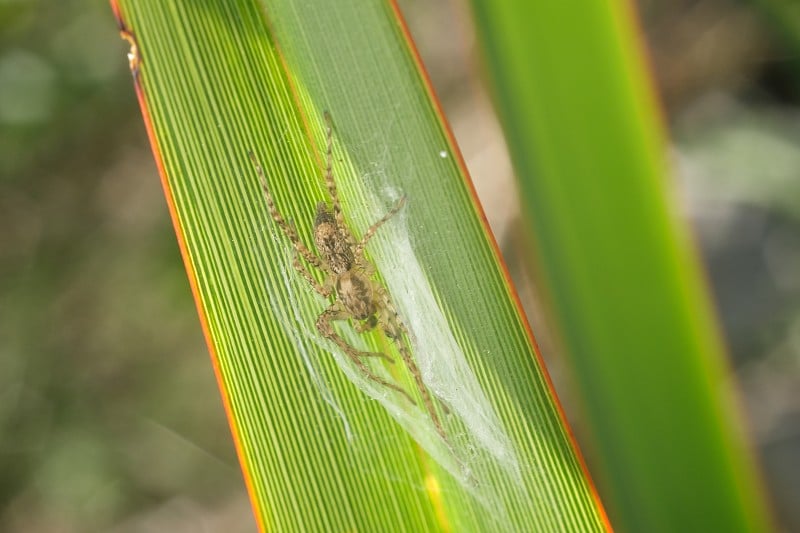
(355, 292)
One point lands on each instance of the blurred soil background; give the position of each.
(110, 418)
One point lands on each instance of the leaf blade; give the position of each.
(215, 87)
(621, 271)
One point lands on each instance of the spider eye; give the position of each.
(323, 214)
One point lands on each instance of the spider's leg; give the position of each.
(359, 249)
(329, 181)
(301, 248)
(336, 312)
(395, 329)
(337, 208)
(324, 290)
(287, 227)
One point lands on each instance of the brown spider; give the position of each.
(348, 279)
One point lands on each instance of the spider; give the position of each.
(349, 280)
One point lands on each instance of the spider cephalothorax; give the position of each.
(349, 279)
(330, 242)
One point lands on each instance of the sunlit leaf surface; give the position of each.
(324, 448)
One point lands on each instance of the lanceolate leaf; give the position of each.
(322, 447)
(622, 277)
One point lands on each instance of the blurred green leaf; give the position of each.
(620, 271)
(785, 15)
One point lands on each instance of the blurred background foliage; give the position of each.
(110, 418)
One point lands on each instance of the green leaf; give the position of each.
(784, 15)
(322, 447)
(621, 273)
